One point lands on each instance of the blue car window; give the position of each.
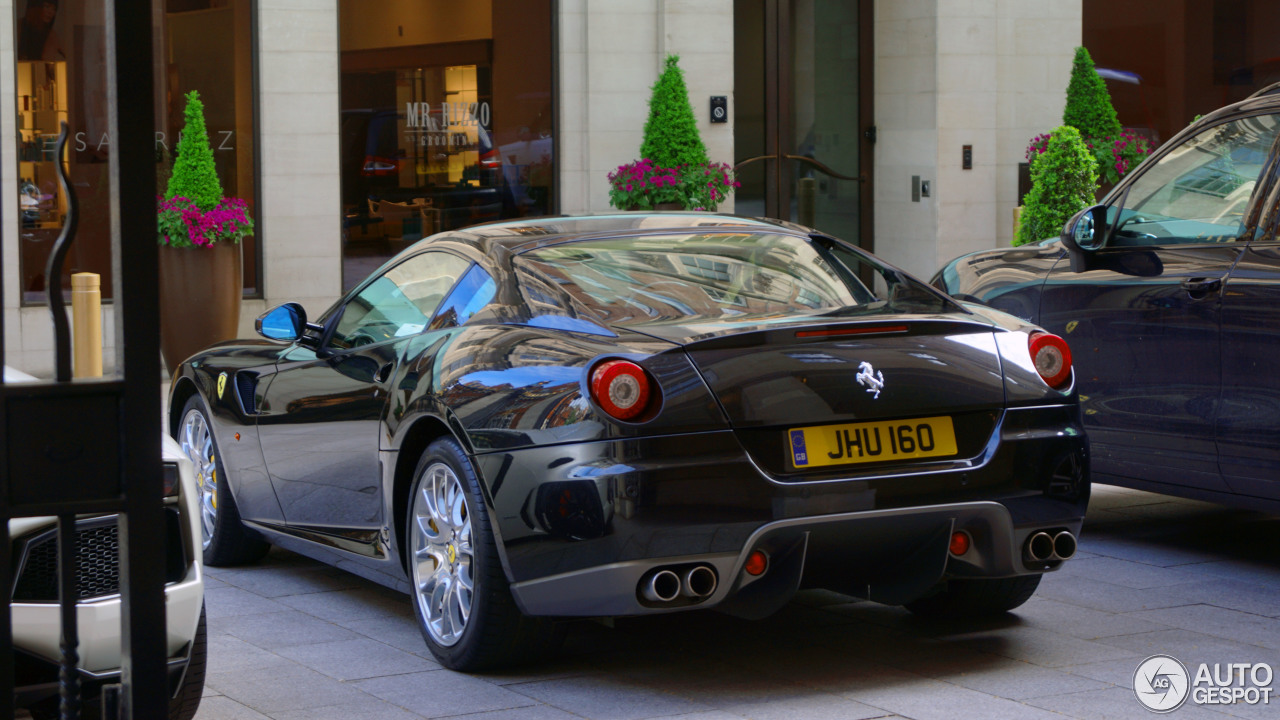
(475, 290)
(1199, 192)
(399, 303)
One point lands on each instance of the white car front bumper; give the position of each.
(37, 624)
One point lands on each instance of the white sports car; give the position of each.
(34, 599)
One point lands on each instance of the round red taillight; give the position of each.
(757, 563)
(621, 388)
(959, 542)
(1052, 358)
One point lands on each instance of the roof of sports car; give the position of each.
(527, 233)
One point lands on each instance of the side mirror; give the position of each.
(1084, 233)
(285, 322)
(1086, 230)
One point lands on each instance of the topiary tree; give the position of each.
(671, 137)
(1063, 182)
(1089, 108)
(194, 175)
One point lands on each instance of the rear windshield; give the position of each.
(756, 276)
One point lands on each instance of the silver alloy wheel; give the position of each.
(443, 554)
(197, 444)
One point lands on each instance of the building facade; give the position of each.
(354, 128)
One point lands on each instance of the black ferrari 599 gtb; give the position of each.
(641, 413)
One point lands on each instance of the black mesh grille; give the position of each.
(98, 569)
(98, 552)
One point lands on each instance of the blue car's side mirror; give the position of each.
(1086, 230)
(1085, 233)
(285, 322)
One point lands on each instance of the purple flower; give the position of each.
(229, 221)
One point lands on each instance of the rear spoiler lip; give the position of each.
(790, 333)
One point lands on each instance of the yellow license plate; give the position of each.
(871, 442)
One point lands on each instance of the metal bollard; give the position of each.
(86, 318)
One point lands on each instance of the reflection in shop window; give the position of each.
(445, 122)
(60, 77)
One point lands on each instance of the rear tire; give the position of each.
(226, 540)
(976, 598)
(461, 596)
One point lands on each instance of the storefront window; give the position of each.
(60, 74)
(60, 78)
(446, 121)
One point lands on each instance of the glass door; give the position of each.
(802, 113)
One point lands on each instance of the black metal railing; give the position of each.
(69, 448)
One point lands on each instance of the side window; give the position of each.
(399, 303)
(900, 292)
(1199, 192)
(475, 290)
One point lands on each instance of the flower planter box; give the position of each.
(200, 291)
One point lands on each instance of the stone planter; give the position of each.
(200, 291)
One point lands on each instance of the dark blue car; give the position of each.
(1168, 294)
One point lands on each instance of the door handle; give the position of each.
(383, 373)
(1199, 286)
(825, 168)
(805, 159)
(750, 160)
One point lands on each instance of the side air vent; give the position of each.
(246, 385)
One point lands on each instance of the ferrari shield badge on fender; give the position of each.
(867, 377)
(222, 384)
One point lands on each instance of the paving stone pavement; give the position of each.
(292, 639)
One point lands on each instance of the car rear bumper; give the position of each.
(582, 526)
(910, 556)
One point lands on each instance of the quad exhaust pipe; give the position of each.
(1039, 547)
(1042, 547)
(1064, 545)
(698, 582)
(662, 586)
(666, 585)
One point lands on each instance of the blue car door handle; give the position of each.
(1201, 285)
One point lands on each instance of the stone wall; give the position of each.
(987, 73)
(301, 213)
(906, 117)
(611, 52)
